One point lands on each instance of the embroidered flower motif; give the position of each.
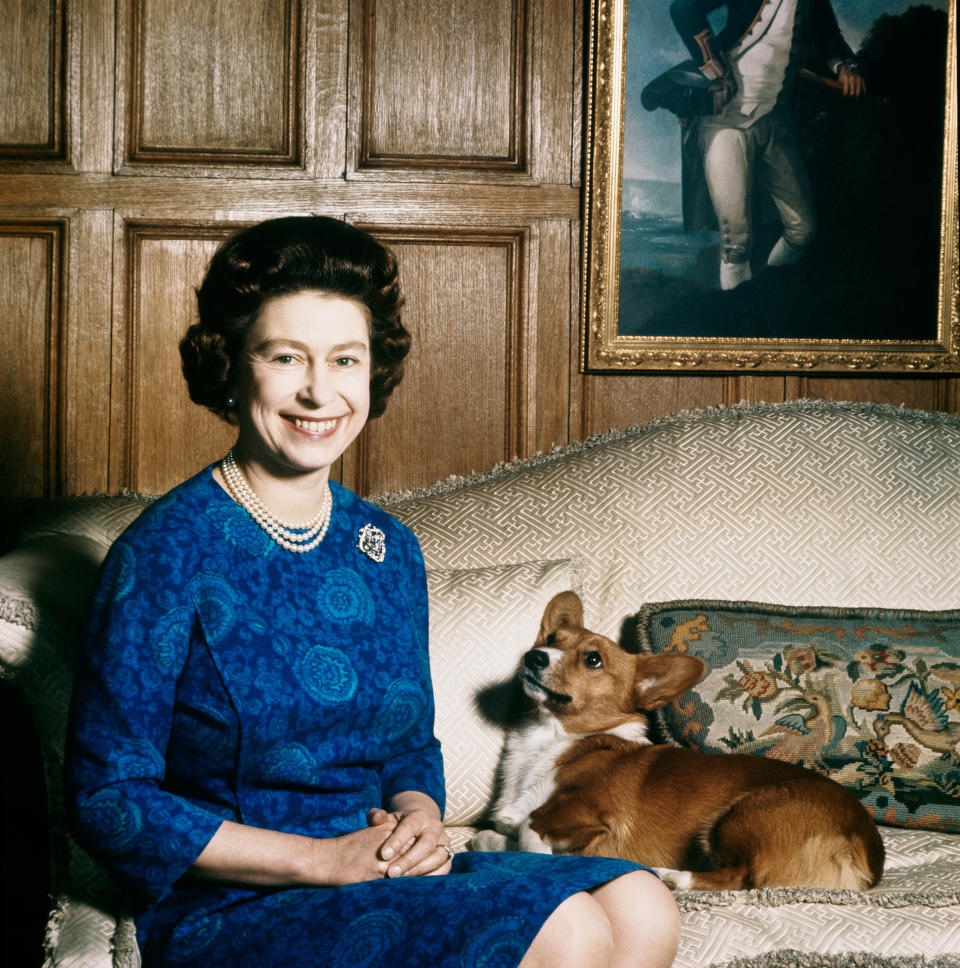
(876, 748)
(343, 597)
(758, 685)
(402, 709)
(881, 661)
(801, 659)
(372, 542)
(905, 755)
(951, 697)
(870, 694)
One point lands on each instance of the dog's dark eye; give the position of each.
(593, 660)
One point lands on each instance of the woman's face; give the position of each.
(303, 391)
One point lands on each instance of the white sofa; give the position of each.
(827, 505)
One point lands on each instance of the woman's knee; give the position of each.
(644, 920)
(576, 935)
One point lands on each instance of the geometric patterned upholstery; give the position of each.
(805, 503)
(799, 504)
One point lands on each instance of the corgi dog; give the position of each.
(581, 777)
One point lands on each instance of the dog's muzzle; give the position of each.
(534, 662)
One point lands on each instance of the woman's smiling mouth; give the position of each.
(314, 426)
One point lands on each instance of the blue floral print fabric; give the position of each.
(225, 678)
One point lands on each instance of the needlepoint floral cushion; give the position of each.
(869, 697)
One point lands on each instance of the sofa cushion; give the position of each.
(102, 520)
(814, 502)
(481, 621)
(870, 697)
(46, 584)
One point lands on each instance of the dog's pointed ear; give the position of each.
(660, 678)
(564, 609)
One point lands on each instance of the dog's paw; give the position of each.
(675, 880)
(530, 841)
(491, 840)
(510, 819)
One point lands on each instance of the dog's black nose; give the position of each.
(536, 660)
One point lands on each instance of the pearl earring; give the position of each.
(231, 402)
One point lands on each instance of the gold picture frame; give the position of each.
(925, 341)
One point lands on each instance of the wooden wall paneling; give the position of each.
(556, 307)
(33, 114)
(212, 84)
(577, 381)
(91, 81)
(330, 89)
(917, 392)
(576, 120)
(31, 306)
(158, 436)
(88, 347)
(442, 88)
(612, 401)
(553, 94)
(460, 406)
(949, 399)
(749, 388)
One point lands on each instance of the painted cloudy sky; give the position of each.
(652, 139)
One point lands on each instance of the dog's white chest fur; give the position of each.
(528, 770)
(528, 775)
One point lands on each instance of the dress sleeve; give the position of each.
(419, 765)
(120, 722)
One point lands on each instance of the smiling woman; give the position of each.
(252, 744)
(303, 395)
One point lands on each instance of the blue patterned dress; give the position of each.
(227, 679)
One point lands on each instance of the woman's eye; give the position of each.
(344, 361)
(593, 660)
(284, 359)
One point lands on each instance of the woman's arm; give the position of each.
(121, 714)
(253, 855)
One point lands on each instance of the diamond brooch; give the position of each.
(372, 542)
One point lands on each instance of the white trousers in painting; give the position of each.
(734, 159)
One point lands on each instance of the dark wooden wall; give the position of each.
(134, 134)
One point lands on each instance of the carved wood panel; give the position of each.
(462, 403)
(158, 436)
(213, 83)
(31, 307)
(32, 81)
(441, 86)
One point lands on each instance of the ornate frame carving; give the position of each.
(605, 349)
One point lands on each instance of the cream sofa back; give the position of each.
(800, 503)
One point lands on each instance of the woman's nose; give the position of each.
(316, 387)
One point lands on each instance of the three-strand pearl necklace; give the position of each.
(293, 537)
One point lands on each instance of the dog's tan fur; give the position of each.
(722, 821)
